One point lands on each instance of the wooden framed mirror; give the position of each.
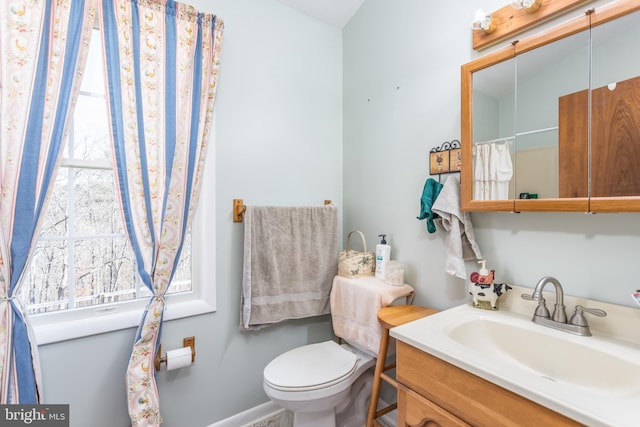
(552, 122)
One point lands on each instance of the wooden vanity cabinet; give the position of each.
(433, 392)
(415, 410)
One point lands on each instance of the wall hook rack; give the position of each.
(239, 209)
(445, 159)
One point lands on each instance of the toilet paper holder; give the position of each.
(187, 342)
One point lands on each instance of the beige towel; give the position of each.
(354, 309)
(461, 241)
(290, 259)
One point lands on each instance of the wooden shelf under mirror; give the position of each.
(547, 123)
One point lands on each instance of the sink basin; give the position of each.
(594, 380)
(551, 356)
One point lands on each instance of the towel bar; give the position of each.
(239, 208)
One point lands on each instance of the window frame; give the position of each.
(74, 323)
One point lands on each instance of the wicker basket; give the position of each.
(354, 263)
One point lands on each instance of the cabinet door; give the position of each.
(615, 135)
(416, 411)
(573, 112)
(615, 148)
(544, 77)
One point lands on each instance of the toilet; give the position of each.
(324, 385)
(329, 384)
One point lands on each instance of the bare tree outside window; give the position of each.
(82, 257)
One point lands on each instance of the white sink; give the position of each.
(551, 356)
(594, 380)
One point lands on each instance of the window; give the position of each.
(82, 263)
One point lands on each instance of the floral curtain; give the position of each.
(162, 71)
(43, 46)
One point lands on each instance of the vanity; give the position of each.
(467, 366)
(434, 392)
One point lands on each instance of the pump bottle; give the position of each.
(383, 254)
(483, 267)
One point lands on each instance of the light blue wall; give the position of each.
(287, 85)
(401, 98)
(278, 140)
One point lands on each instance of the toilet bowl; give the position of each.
(318, 382)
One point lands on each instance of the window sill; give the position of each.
(98, 320)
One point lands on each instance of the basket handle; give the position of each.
(364, 242)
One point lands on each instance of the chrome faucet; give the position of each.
(558, 320)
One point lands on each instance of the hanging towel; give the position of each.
(492, 172)
(290, 259)
(354, 309)
(461, 243)
(429, 194)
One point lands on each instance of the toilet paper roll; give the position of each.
(178, 358)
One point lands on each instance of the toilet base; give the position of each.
(355, 414)
(351, 414)
(315, 419)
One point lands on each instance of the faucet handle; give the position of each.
(541, 309)
(578, 317)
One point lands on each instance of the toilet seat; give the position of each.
(310, 367)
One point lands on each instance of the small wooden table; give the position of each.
(390, 317)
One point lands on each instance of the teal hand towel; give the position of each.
(429, 194)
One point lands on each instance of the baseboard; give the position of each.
(264, 415)
(267, 414)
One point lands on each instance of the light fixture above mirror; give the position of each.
(516, 17)
(484, 22)
(529, 6)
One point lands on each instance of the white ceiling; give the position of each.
(334, 12)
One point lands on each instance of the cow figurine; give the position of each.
(482, 288)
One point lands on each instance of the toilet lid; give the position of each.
(310, 367)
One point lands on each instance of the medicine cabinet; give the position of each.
(552, 122)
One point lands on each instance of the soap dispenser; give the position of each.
(483, 276)
(383, 254)
(483, 267)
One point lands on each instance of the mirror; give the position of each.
(493, 131)
(615, 134)
(544, 77)
(552, 123)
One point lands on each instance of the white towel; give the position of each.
(290, 259)
(461, 243)
(493, 171)
(354, 309)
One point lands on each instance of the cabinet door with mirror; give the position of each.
(493, 131)
(615, 112)
(552, 123)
